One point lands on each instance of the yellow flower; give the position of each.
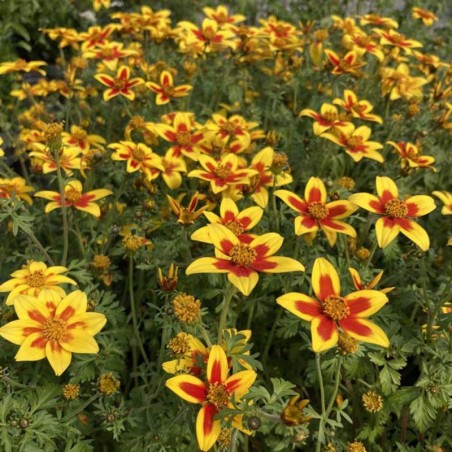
(53, 330)
(36, 278)
(73, 196)
(399, 84)
(15, 187)
(425, 15)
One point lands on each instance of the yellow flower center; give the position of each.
(72, 195)
(280, 163)
(132, 243)
(179, 344)
(36, 279)
(187, 309)
(395, 208)
(169, 90)
(397, 38)
(373, 402)
(321, 35)
(101, 262)
(183, 138)
(137, 123)
(119, 84)
(209, 33)
(218, 395)
(359, 108)
(235, 226)
(318, 210)
(354, 141)
(80, 135)
(362, 41)
(330, 116)
(54, 329)
(21, 65)
(228, 127)
(243, 254)
(347, 345)
(222, 171)
(138, 154)
(335, 307)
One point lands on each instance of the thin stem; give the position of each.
(347, 253)
(336, 388)
(205, 336)
(322, 402)
(224, 312)
(270, 337)
(134, 313)
(372, 252)
(56, 152)
(38, 244)
(80, 408)
(232, 447)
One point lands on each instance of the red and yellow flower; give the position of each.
(357, 108)
(362, 43)
(350, 63)
(186, 215)
(121, 84)
(327, 119)
(7, 67)
(330, 313)
(243, 261)
(355, 141)
(359, 285)
(315, 213)
(230, 216)
(427, 17)
(410, 155)
(16, 186)
(446, 198)
(79, 137)
(139, 157)
(398, 83)
(166, 91)
(221, 15)
(392, 38)
(74, 197)
(214, 394)
(69, 158)
(173, 167)
(396, 215)
(53, 329)
(35, 278)
(222, 174)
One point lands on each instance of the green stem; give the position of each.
(56, 152)
(38, 244)
(322, 402)
(73, 413)
(336, 388)
(224, 312)
(134, 313)
(205, 336)
(372, 252)
(347, 253)
(250, 314)
(186, 252)
(232, 447)
(269, 342)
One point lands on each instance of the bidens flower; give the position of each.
(121, 84)
(241, 261)
(53, 330)
(35, 278)
(396, 214)
(330, 313)
(214, 394)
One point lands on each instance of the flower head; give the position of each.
(121, 84)
(315, 213)
(166, 91)
(214, 394)
(186, 215)
(396, 215)
(357, 108)
(330, 313)
(53, 329)
(36, 278)
(241, 261)
(427, 17)
(74, 196)
(446, 198)
(411, 156)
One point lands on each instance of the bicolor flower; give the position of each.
(173, 167)
(221, 15)
(35, 278)
(223, 174)
(242, 261)
(53, 329)
(427, 17)
(330, 313)
(139, 157)
(7, 67)
(446, 198)
(363, 43)
(357, 108)
(74, 197)
(350, 63)
(411, 156)
(392, 38)
(325, 120)
(264, 162)
(398, 83)
(186, 215)
(355, 141)
(233, 128)
(359, 285)
(315, 213)
(396, 215)
(16, 186)
(166, 91)
(214, 394)
(230, 216)
(121, 84)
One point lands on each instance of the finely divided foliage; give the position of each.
(225, 229)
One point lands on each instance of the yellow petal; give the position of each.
(244, 283)
(58, 358)
(217, 365)
(188, 387)
(18, 330)
(386, 231)
(283, 265)
(77, 341)
(416, 233)
(207, 428)
(301, 305)
(204, 265)
(32, 349)
(385, 184)
(324, 333)
(325, 280)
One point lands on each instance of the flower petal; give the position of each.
(239, 383)
(77, 341)
(419, 205)
(206, 265)
(324, 279)
(414, 232)
(33, 348)
(58, 357)
(301, 305)
(364, 303)
(315, 190)
(207, 428)
(244, 283)
(386, 230)
(75, 303)
(324, 333)
(281, 264)
(217, 365)
(386, 185)
(364, 330)
(18, 330)
(368, 202)
(188, 387)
